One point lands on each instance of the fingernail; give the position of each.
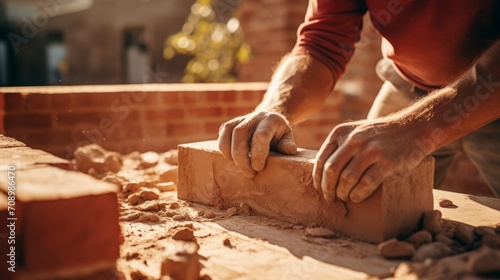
(257, 165)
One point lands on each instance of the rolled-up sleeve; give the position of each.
(330, 30)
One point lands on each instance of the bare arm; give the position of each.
(297, 90)
(299, 86)
(358, 156)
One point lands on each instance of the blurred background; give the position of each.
(76, 42)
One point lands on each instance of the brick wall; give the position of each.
(138, 117)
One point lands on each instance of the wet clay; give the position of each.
(284, 190)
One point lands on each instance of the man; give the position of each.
(444, 53)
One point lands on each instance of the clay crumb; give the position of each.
(492, 241)
(178, 218)
(184, 234)
(132, 256)
(464, 234)
(419, 238)
(174, 205)
(245, 210)
(130, 187)
(166, 187)
(137, 275)
(149, 217)
(320, 232)
(227, 243)
(483, 231)
(441, 237)
(484, 262)
(432, 222)
(168, 214)
(201, 213)
(149, 194)
(209, 215)
(394, 249)
(184, 264)
(151, 205)
(232, 211)
(130, 217)
(434, 250)
(446, 203)
(135, 199)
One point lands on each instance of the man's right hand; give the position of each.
(247, 140)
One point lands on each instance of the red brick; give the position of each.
(394, 210)
(19, 135)
(165, 114)
(29, 120)
(252, 96)
(212, 127)
(8, 142)
(183, 129)
(24, 156)
(191, 97)
(93, 100)
(214, 96)
(238, 111)
(60, 101)
(47, 138)
(170, 97)
(79, 118)
(36, 101)
(205, 112)
(230, 96)
(14, 101)
(58, 213)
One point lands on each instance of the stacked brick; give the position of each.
(60, 222)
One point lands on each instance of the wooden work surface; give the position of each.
(262, 248)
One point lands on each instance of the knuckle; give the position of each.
(349, 176)
(369, 180)
(330, 169)
(262, 134)
(239, 129)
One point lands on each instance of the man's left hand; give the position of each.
(356, 157)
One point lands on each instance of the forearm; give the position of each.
(459, 109)
(298, 88)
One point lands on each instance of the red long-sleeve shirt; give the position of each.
(431, 43)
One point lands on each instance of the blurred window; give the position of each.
(56, 58)
(136, 56)
(3, 63)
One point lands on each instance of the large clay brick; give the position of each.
(8, 142)
(67, 221)
(24, 156)
(284, 190)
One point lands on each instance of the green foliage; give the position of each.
(214, 40)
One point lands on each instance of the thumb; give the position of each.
(287, 145)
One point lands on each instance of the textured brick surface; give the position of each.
(284, 190)
(65, 222)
